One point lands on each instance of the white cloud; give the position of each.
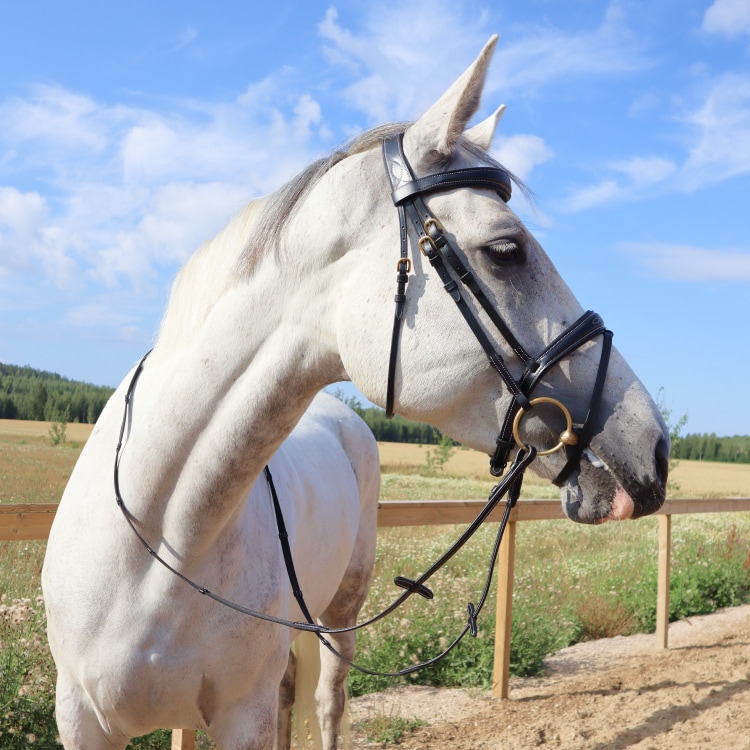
(21, 214)
(605, 191)
(30, 241)
(632, 177)
(721, 126)
(394, 77)
(95, 314)
(687, 263)
(728, 18)
(521, 153)
(645, 170)
(542, 55)
(132, 190)
(717, 138)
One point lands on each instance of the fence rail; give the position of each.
(22, 522)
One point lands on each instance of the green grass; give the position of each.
(388, 730)
(26, 677)
(572, 583)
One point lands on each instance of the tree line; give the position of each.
(710, 447)
(26, 393)
(395, 430)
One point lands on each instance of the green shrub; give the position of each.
(389, 730)
(26, 677)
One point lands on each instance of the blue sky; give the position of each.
(130, 133)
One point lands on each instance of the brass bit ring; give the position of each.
(567, 436)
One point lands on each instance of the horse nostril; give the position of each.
(662, 461)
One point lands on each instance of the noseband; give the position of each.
(439, 249)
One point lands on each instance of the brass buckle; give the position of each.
(428, 240)
(567, 436)
(437, 224)
(408, 265)
(426, 237)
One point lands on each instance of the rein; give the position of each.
(435, 245)
(510, 485)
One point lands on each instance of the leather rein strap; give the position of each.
(510, 486)
(437, 247)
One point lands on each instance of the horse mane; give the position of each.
(257, 229)
(283, 203)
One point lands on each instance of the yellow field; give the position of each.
(31, 470)
(408, 457)
(711, 479)
(78, 433)
(695, 478)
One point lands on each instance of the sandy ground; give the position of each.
(614, 693)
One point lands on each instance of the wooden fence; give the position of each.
(25, 522)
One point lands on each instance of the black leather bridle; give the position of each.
(438, 248)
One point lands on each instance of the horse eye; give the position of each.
(505, 252)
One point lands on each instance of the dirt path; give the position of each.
(615, 693)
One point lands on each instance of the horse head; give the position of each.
(440, 371)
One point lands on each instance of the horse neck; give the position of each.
(219, 395)
(202, 281)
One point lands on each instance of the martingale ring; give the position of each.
(567, 436)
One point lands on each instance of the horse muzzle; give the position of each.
(594, 494)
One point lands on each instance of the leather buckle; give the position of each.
(433, 222)
(424, 240)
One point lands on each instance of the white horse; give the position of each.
(297, 293)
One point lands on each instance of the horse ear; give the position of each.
(483, 133)
(432, 137)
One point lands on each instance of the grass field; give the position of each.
(32, 470)
(572, 582)
(695, 478)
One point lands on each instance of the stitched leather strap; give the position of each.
(477, 177)
(407, 197)
(407, 192)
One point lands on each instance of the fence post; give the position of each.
(501, 669)
(662, 592)
(183, 739)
